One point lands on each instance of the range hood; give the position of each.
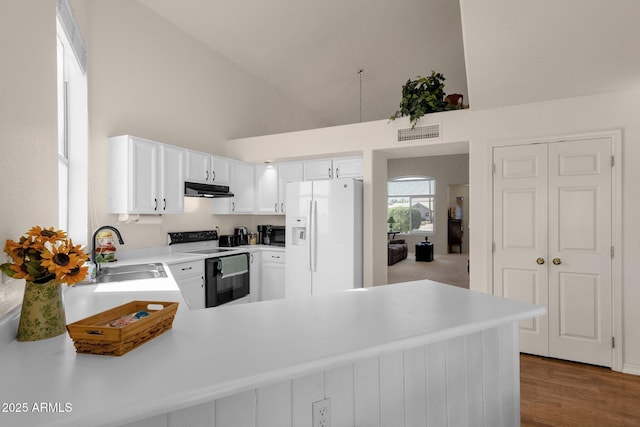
(196, 189)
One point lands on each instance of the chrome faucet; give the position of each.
(93, 242)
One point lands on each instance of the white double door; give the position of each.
(552, 228)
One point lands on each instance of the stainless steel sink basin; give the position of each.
(122, 273)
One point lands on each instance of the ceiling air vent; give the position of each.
(419, 133)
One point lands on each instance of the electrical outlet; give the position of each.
(322, 413)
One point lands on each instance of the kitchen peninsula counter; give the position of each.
(268, 361)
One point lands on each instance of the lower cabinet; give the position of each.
(272, 280)
(190, 279)
(255, 276)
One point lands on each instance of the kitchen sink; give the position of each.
(122, 273)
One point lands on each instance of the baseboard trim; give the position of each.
(629, 368)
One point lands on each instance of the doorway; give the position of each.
(448, 171)
(553, 237)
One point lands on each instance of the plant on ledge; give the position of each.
(422, 96)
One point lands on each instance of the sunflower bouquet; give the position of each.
(45, 254)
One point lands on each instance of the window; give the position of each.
(72, 126)
(411, 205)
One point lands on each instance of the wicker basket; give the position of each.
(90, 335)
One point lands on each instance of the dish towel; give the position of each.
(233, 265)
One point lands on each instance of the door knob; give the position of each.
(540, 261)
(557, 261)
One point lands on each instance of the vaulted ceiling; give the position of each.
(494, 52)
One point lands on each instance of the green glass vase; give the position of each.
(42, 314)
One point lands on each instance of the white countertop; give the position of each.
(224, 350)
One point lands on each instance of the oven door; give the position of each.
(226, 278)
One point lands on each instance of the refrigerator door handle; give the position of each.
(309, 236)
(314, 235)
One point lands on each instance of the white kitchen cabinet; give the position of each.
(144, 177)
(287, 172)
(272, 283)
(241, 185)
(347, 167)
(190, 279)
(318, 169)
(255, 273)
(341, 167)
(206, 168)
(271, 180)
(266, 189)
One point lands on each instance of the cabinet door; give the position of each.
(266, 189)
(192, 289)
(318, 169)
(287, 172)
(242, 183)
(272, 277)
(255, 272)
(143, 173)
(347, 167)
(219, 170)
(171, 193)
(198, 166)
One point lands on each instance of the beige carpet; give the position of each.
(445, 268)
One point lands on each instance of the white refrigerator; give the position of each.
(323, 236)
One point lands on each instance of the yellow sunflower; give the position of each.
(20, 272)
(58, 260)
(43, 235)
(15, 251)
(77, 274)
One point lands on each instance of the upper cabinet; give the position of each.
(288, 172)
(270, 185)
(241, 184)
(342, 167)
(206, 168)
(266, 185)
(145, 177)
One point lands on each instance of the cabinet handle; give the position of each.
(337, 172)
(557, 261)
(202, 281)
(275, 256)
(187, 268)
(282, 207)
(206, 174)
(329, 172)
(213, 175)
(251, 256)
(540, 261)
(275, 208)
(155, 204)
(164, 208)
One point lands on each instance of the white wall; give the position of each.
(28, 117)
(447, 170)
(482, 129)
(150, 79)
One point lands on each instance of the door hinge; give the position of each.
(612, 161)
(613, 342)
(612, 252)
(493, 169)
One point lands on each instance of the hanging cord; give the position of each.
(360, 72)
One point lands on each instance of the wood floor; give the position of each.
(558, 393)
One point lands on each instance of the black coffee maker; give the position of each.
(264, 234)
(243, 235)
